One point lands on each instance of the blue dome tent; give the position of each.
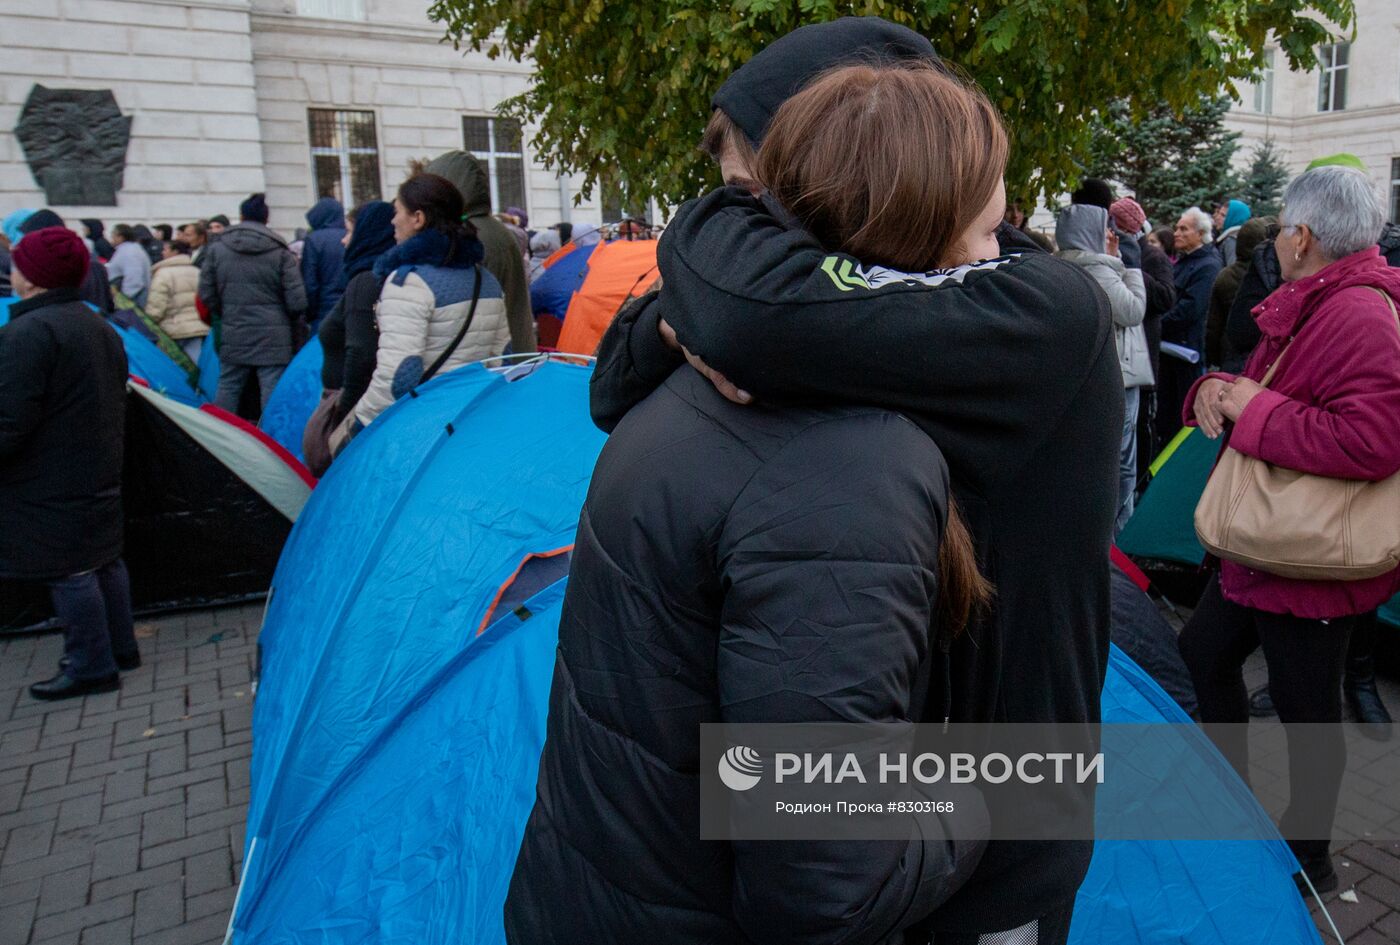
(294, 398)
(406, 663)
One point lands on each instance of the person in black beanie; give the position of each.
(95, 289)
(62, 408)
(1042, 653)
(251, 284)
(1094, 192)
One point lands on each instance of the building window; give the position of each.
(497, 143)
(1334, 61)
(1395, 190)
(1264, 86)
(344, 155)
(332, 9)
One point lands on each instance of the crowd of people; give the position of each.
(884, 493)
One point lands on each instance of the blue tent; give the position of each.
(406, 662)
(144, 360)
(294, 398)
(551, 292)
(208, 368)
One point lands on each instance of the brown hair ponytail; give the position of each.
(891, 164)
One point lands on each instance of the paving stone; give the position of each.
(60, 892)
(206, 738)
(114, 857)
(108, 933)
(163, 826)
(208, 929)
(31, 842)
(159, 907)
(135, 880)
(140, 805)
(1353, 917)
(1389, 926)
(206, 872)
(1378, 887)
(73, 920)
(15, 922)
(179, 849)
(205, 797)
(218, 902)
(124, 786)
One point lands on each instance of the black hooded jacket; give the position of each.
(1010, 367)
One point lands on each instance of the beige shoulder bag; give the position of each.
(1296, 524)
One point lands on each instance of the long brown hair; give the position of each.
(891, 164)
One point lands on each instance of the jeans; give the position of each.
(1127, 459)
(234, 377)
(95, 607)
(192, 347)
(1306, 659)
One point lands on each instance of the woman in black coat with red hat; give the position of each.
(62, 414)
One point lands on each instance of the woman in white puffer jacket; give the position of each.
(430, 279)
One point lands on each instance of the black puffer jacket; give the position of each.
(252, 283)
(62, 416)
(1011, 368)
(733, 565)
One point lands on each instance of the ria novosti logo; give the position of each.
(740, 768)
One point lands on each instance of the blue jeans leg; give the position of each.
(1127, 460)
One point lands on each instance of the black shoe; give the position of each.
(64, 686)
(1320, 873)
(1261, 704)
(1368, 708)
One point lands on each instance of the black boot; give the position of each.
(1261, 703)
(1360, 682)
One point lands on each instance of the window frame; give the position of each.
(489, 159)
(1395, 190)
(1264, 86)
(351, 11)
(1333, 77)
(340, 119)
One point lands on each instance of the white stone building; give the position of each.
(1352, 104)
(290, 97)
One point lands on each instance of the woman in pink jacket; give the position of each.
(1332, 409)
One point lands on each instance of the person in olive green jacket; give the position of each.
(503, 257)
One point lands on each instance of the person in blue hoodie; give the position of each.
(322, 257)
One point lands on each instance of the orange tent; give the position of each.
(617, 271)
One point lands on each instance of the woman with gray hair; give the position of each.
(1331, 409)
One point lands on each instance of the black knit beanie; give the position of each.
(753, 94)
(254, 209)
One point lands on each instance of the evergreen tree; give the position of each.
(1169, 161)
(1264, 180)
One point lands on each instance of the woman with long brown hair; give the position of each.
(769, 564)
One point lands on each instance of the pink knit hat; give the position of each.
(1128, 214)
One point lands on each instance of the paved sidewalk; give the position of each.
(121, 815)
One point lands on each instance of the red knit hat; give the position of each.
(52, 258)
(1128, 214)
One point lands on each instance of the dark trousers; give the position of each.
(1174, 380)
(95, 606)
(1306, 659)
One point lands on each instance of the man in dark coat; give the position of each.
(62, 415)
(1184, 324)
(503, 257)
(251, 283)
(1027, 411)
(321, 256)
